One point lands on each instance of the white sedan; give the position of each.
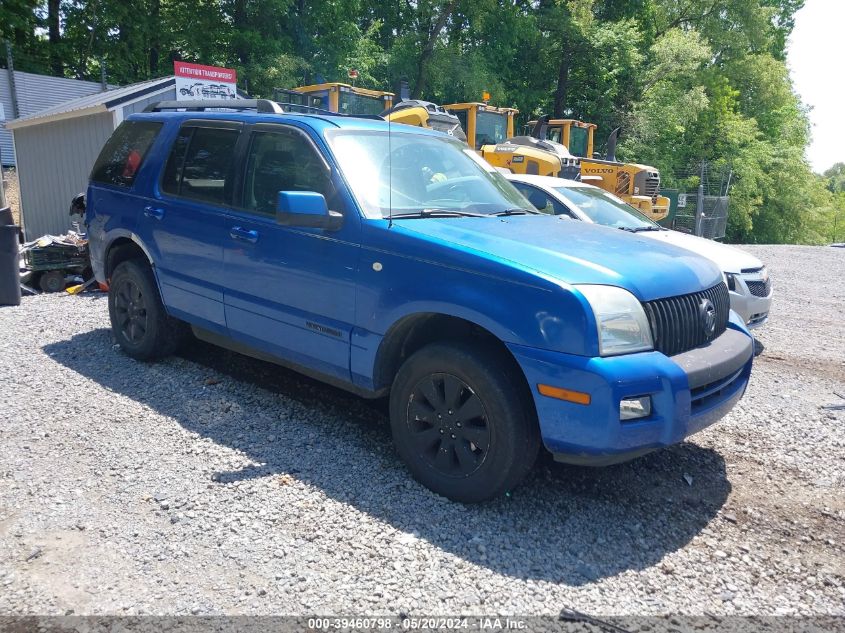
(746, 276)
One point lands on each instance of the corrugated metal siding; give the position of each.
(36, 93)
(110, 99)
(55, 160)
(132, 108)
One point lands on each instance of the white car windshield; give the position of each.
(414, 175)
(605, 208)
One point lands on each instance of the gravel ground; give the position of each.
(212, 483)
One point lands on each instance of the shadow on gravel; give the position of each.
(565, 524)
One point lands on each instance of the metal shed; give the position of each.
(23, 94)
(56, 148)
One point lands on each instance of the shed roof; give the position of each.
(98, 102)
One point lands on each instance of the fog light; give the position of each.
(634, 408)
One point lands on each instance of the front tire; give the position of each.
(462, 422)
(139, 321)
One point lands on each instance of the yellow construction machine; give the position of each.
(337, 97)
(638, 185)
(425, 114)
(490, 131)
(484, 124)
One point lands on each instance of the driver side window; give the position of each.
(281, 161)
(541, 200)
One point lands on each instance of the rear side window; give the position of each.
(201, 164)
(122, 155)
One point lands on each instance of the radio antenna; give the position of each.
(389, 174)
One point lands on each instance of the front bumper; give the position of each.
(688, 392)
(753, 308)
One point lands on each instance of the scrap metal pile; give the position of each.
(51, 261)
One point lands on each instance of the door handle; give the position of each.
(153, 212)
(240, 233)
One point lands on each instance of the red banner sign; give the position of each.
(205, 73)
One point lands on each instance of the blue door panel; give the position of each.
(293, 290)
(322, 352)
(188, 252)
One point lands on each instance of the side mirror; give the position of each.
(307, 209)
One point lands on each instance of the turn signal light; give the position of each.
(560, 393)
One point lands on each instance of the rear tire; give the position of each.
(462, 422)
(139, 321)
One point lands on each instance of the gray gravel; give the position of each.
(212, 483)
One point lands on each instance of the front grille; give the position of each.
(678, 323)
(759, 288)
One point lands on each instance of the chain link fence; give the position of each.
(702, 200)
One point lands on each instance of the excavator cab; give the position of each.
(575, 135)
(337, 97)
(484, 124)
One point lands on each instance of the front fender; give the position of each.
(516, 306)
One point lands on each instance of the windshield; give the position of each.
(351, 103)
(604, 208)
(578, 141)
(415, 174)
(490, 128)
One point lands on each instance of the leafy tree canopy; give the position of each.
(687, 80)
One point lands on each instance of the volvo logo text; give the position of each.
(708, 317)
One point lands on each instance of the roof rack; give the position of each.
(260, 105)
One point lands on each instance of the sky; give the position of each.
(815, 56)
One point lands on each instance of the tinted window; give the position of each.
(490, 128)
(541, 200)
(350, 103)
(280, 161)
(200, 164)
(578, 141)
(462, 117)
(123, 154)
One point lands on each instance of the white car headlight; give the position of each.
(622, 324)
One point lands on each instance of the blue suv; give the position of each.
(393, 261)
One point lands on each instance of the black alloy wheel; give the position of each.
(448, 425)
(131, 311)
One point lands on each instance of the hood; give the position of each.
(729, 259)
(576, 252)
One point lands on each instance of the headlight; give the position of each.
(622, 324)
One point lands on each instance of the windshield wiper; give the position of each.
(517, 211)
(439, 213)
(639, 229)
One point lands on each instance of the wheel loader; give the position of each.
(337, 97)
(638, 185)
(490, 131)
(425, 114)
